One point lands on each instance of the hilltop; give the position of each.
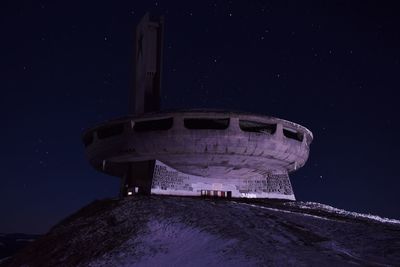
(183, 231)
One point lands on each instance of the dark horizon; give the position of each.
(329, 66)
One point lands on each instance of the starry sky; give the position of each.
(332, 66)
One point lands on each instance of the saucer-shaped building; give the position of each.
(193, 152)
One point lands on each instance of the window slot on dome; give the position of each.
(206, 123)
(110, 130)
(257, 127)
(153, 125)
(88, 139)
(293, 134)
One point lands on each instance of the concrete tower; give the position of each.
(148, 65)
(145, 96)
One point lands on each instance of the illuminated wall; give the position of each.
(168, 181)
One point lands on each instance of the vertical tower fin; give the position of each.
(148, 65)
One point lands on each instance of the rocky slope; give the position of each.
(181, 231)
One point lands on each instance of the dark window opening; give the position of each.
(257, 127)
(88, 139)
(215, 124)
(153, 125)
(293, 135)
(109, 131)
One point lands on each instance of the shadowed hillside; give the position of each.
(179, 231)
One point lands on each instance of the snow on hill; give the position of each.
(182, 231)
(323, 207)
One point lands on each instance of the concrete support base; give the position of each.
(138, 178)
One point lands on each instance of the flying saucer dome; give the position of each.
(215, 144)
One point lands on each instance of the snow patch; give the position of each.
(327, 208)
(286, 211)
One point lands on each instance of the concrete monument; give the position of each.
(193, 152)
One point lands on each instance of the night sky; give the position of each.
(332, 66)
